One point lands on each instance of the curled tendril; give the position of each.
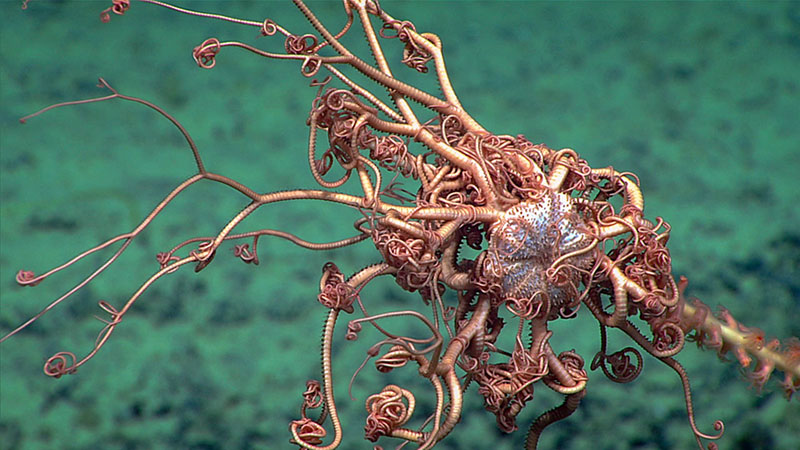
(573, 364)
(335, 98)
(668, 340)
(204, 254)
(269, 27)
(26, 278)
(243, 251)
(118, 7)
(62, 363)
(300, 45)
(413, 56)
(623, 370)
(109, 308)
(205, 54)
(320, 84)
(396, 357)
(398, 27)
(308, 431)
(311, 65)
(165, 258)
(312, 397)
(527, 308)
(335, 293)
(416, 58)
(353, 328)
(387, 411)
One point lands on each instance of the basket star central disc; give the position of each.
(529, 238)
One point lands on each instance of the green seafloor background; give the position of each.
(700, 99)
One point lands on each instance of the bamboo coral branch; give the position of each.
(725, 334)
